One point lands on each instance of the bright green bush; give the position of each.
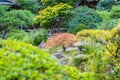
(84, 16)
(107, 23)
(106, 4)
(16, 18)
(22, 61)
(31, 5)
(115, 12)
(20, 35)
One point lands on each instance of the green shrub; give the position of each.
(105, 15)
(77, 29)
(106, 4)
(84, 16)
(115, 12)
(16, 18)
(38, 36)
(31, 5)
(22, 61)
(3, 9)
(17, 35)
(107, 25)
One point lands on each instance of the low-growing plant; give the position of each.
(16, 34)
(37, 36)
(20, 60)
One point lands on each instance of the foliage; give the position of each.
(3, 9)
(26, 4)
(104, 14)
(37, 36)
(54, 2)
(84, 16)
(19, 35)
(115, 12)
(106, 4)
(108, 23)
(20, 60)
(16, 18)
(53, 16)
(77, 28)
(113, 48)
(60, 39)
(97, 35)
(104, 59)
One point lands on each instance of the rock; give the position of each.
(41, 44)
(58, 55)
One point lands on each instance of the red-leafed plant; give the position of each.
(61, 39)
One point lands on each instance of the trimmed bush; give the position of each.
(84, 16)
(16, 18)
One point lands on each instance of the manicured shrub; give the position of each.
(84, 16)
(16, 19)
(115, 12)
(106, 4)
(23, 61)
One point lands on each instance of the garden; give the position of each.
(59, 39)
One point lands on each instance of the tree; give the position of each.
(53, 16)
(62, 39)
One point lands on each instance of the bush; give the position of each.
(22, 61)
(38, 36)
(115, 12)
(31, 5)
(17, 35)
(84, 16)
(16, 18)
(60, 39)
(107, 23)
(3, 9)
(106, 4)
